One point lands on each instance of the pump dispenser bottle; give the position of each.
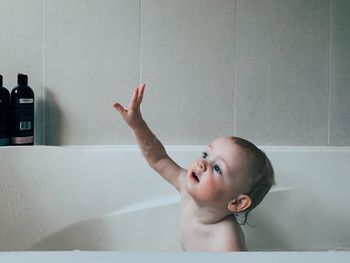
(22, 113)
(4, 115)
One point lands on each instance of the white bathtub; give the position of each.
(107, 198)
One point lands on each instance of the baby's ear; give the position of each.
(239, 204)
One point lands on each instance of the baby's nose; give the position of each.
(202, 164)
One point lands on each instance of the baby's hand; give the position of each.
(132, 114)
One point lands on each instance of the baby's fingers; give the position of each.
(119, 108)
(133, 102)
(141, 91)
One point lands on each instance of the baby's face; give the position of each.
(216, 175)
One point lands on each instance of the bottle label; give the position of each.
(22, 121)
(25, 125)
(26, 101)
(22, 140)
(4, 142)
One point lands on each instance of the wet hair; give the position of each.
(260, 172)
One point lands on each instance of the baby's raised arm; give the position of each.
(151, 148)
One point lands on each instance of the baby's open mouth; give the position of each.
(194, 177)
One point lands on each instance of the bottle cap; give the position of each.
(1, 81)
(22, 80)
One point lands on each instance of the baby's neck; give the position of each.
(207, 214)
(207, 228)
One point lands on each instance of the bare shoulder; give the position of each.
(229, 236)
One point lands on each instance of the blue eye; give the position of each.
(204, 155)
(217, 169)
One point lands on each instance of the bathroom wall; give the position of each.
(273, 71)
(21, 50)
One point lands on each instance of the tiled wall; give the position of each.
(21, 50)
(274, 71)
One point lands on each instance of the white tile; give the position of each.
(340, 77)
(282, 71)
(187, 62)
(91, 60)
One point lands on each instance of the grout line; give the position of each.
(235, 75)
(140, 42)
(329, 72)
(43, 65)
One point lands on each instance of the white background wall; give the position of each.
(273, 71)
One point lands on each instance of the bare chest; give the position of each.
(196, 236)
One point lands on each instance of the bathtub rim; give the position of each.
(173, 147)
(134, 256)
(197, 147)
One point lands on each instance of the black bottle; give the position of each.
(22, 113)
(4, 115)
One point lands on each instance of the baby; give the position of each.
(231, 177)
